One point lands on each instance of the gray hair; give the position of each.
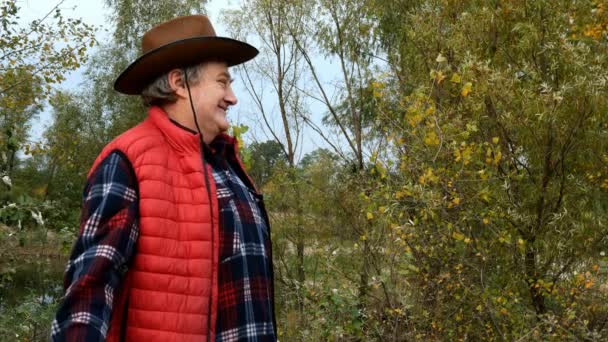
(159, 92)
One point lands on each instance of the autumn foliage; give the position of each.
(462, 189)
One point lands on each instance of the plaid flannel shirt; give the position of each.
(245, 303)
(108, 233)
(107, 242)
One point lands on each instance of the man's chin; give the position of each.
(224, 127)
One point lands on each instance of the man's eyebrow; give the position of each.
(227, 75)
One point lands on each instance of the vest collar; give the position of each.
(183, 140)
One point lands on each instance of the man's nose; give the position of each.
(230, 98)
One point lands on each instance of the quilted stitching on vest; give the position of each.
(173, 275)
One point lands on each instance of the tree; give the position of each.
(264, 157)
(492, 193)
(339, 31)
(33, 58)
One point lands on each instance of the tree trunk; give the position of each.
(536, 296)
(364, 276)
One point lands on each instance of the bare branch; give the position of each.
(322, 89)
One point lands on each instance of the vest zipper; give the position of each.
(125, 317)
(208, 186)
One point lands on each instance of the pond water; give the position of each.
(40, 279)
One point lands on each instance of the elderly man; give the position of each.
(174, 241)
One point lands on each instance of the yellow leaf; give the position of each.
(377, 85)
(485, 221)
(428, 177)
(466, 155)
(454, 202)
(414, 120)
(370, 216)
(431, 139)
(440, 77)
(497, 157)
(455, 78)
(457, 155)
(466, 89)
(458, 236)
(483, 175)
(441, 58)
(40, 191)
(495, 140)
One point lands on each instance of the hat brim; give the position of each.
(179, 54)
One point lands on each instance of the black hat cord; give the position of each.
(205, 151)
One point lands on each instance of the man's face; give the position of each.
(211, 97)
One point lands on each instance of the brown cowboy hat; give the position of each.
(177, 43)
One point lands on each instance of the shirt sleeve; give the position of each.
(99, 259)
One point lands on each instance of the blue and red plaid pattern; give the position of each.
(108, 233)
(245, 303)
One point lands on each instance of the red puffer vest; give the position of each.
(170, 290)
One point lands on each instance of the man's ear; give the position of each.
(176, 81)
